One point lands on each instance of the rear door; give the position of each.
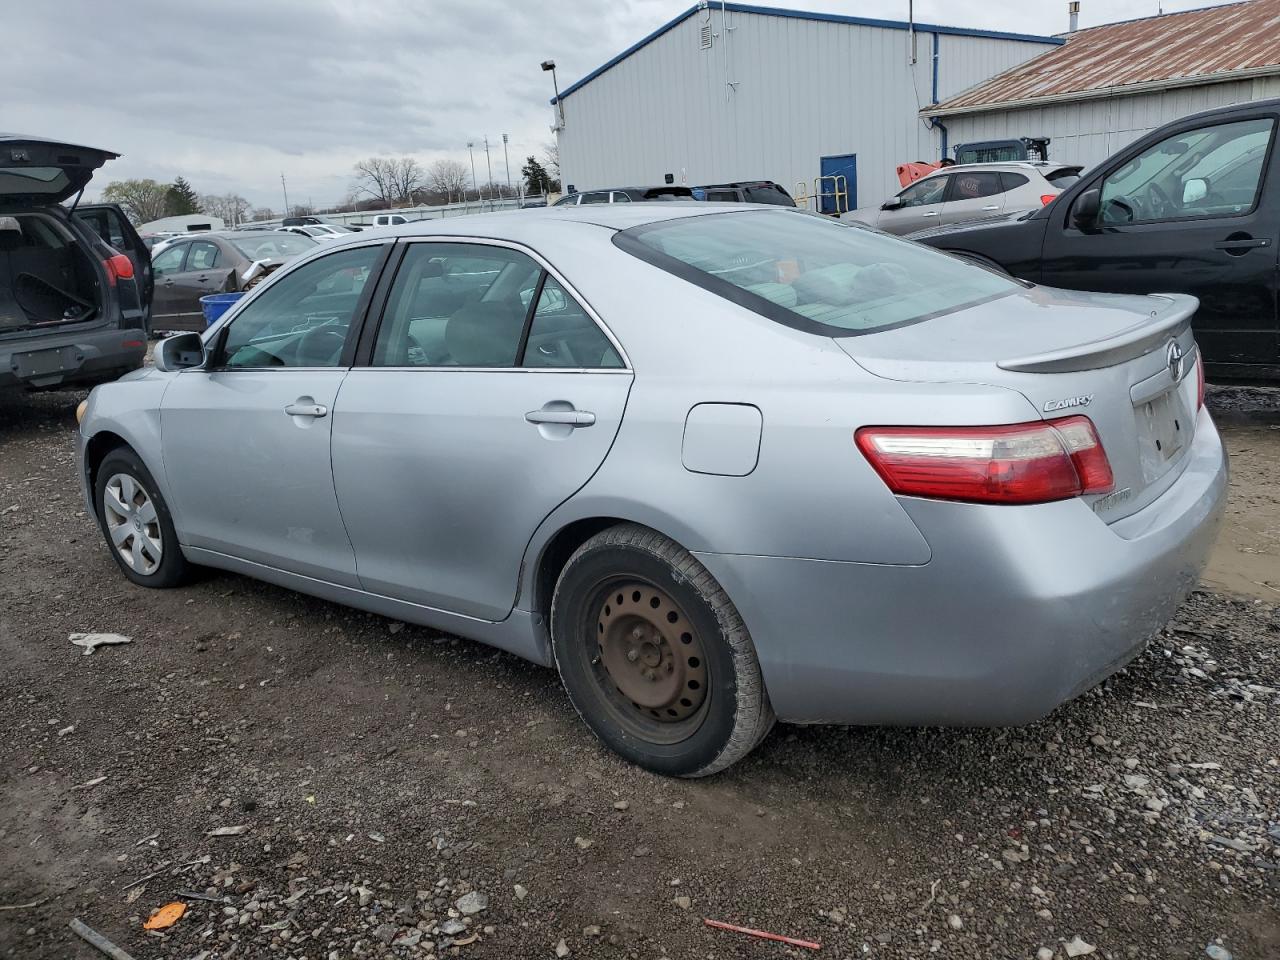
(973, 194)
(468, 423)
(1193, 211)
(109, 222)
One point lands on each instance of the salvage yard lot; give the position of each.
(383, 772)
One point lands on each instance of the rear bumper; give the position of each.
(1019, 609)
(86, 356)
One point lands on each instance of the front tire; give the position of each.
(655, 656)
(136, 523)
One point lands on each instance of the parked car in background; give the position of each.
(196, 265)
(1193, 207)
(965, 192)
(75, 283)
(751, 191)
(152, 239)
(319, 231)
(533, 203)
(319, 221)
(626, 195)
(914, 492)
(389, 219)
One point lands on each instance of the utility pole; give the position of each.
(488, 163)
(286, 194)
(506, 162)
(474, 188)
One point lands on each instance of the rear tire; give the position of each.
(655, 656)
(136, 523)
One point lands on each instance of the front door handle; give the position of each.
(992, 206)
(932, 214)
(572, 418)
(300, 408)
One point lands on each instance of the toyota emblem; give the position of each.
(1174, 358)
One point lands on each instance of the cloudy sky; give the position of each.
(233, 93)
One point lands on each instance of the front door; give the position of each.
(845, 166)
(246, 441)
(167, 305)
(919, 206)
(203, 272)
(1196, 212)
(472, 420)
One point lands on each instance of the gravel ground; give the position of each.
(390, 792)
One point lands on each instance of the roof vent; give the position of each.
(706, 36)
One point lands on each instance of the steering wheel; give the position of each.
(1158, 201)
(321, 346)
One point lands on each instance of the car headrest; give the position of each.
(485, 334)
(12, 240)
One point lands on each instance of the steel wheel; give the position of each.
(649, 661)
(132, 523)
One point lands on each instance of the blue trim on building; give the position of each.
(936, 46)
(935, 29)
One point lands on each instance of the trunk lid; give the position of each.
(38, 172)
(1125, 362)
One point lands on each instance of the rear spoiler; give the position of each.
(1126, 345)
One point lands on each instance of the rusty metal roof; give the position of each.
(1176, 49)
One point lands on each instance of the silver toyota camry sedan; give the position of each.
(716, 464)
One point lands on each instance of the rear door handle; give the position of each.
(574, 418)
(992, 206)
(299, 409)
(1242, 244)
(933, 214)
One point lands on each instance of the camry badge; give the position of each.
(1174, 357)
(1068, 402)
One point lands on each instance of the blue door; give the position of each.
(845, 165)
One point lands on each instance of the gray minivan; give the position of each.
(75, 281)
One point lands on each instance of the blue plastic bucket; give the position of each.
(215, 305)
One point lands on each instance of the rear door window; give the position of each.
(563, 335)
(974, 185)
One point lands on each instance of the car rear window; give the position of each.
(810, 272)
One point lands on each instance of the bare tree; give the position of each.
(448, 177)
(376, 179)
(406, 177)
(262, 213)
(143, 200)
(231, 208)
(551, 154)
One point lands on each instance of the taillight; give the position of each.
(1047, 198)
(119, 267)
(1014, 463)
(1199, 379)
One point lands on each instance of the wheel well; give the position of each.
(557, 553)
(100, 444)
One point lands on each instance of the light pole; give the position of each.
(474, 189)
(489, 164)
(286, 194)
(550, 65)
(506, 162)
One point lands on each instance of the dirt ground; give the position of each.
(377, 776)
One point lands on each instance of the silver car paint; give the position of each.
(812, 547)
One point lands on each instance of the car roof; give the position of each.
(1010, 166)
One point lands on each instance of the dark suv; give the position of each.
(1193, 207)
(75, 282)
(749, 191)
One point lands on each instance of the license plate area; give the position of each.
(42, 363)
(1164, 430)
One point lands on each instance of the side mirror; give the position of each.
(1194, 190)
(893, 203)
(1084, 212)
(179, 352)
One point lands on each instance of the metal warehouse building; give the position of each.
(1108, 85)
(728, 92)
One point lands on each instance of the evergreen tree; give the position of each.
(535, 175)
(181, 199)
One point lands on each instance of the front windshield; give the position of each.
(273, 246)
(813, 273)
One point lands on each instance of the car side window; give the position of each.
(563, 335)
(1213, 171)
(456, 305)
(1011, 181)
(602, 197)
(302, 319)
(929, 190)
(202, 255)
(974, 185)
(168, 260)
(619, 197)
